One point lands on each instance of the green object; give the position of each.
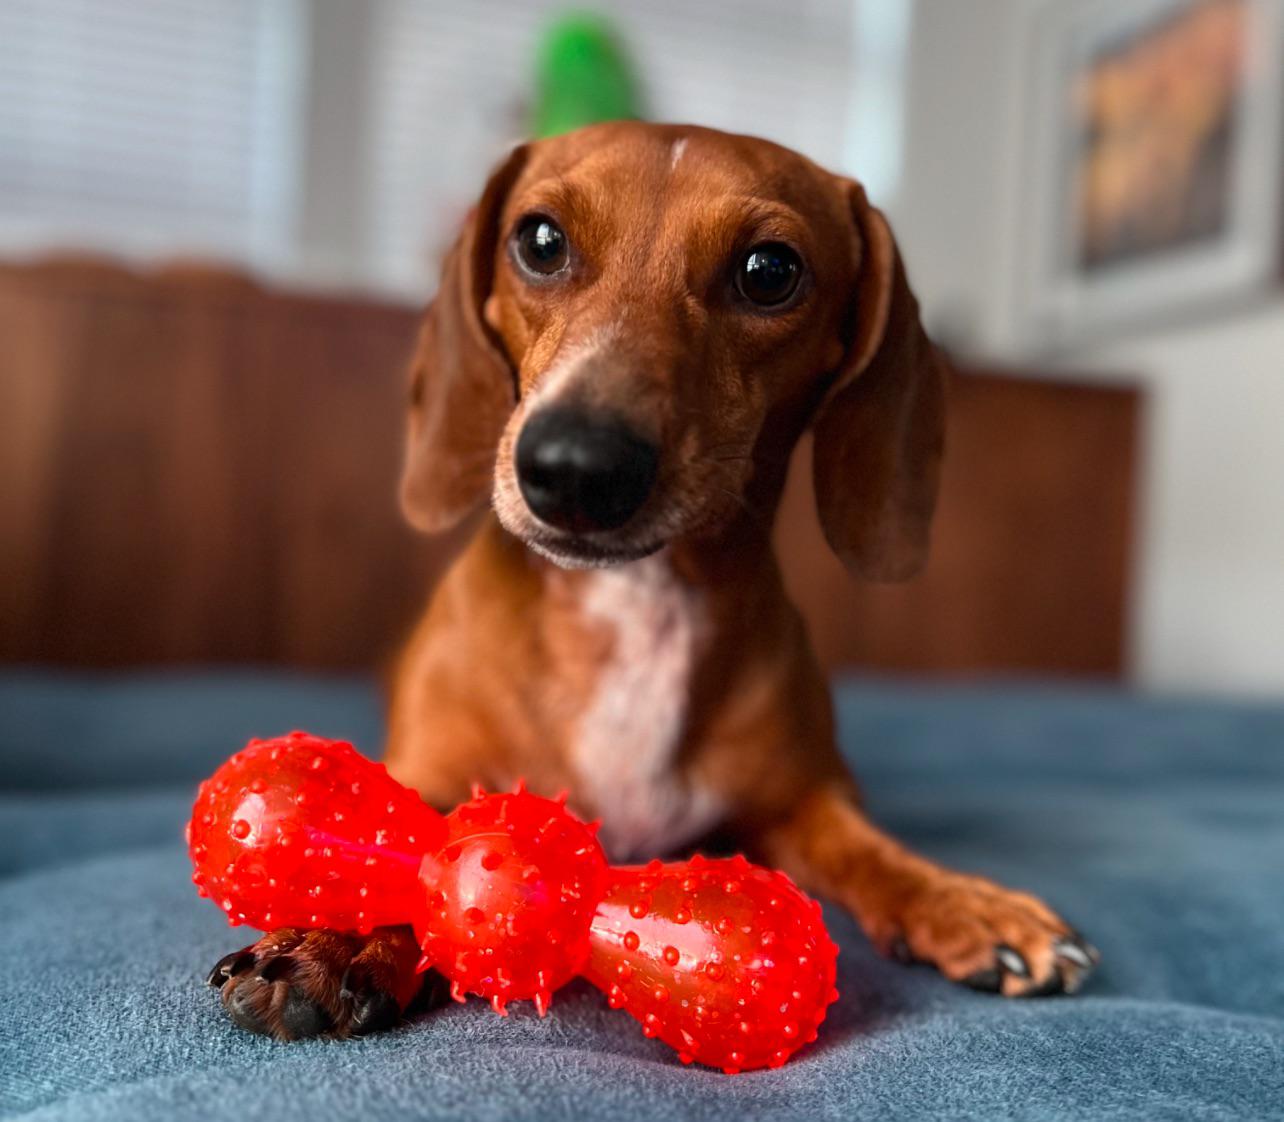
(582, 76)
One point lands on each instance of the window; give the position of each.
(152, 127)
(341, 143)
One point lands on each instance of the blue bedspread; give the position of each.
(1155, 826)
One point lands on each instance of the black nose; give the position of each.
(581, 472)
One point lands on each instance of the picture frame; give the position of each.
(1152, 171)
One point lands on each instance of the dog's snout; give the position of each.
(581, 472)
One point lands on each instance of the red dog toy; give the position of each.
(511, 897)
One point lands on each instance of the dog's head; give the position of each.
(639, 320)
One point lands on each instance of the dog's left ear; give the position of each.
(880, 431)
(462, 388)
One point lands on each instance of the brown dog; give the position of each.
(634, 328)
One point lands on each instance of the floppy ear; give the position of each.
(880, 431)
(462, 387)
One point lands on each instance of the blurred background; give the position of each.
(220, 219)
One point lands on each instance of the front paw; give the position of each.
(986, 937)
(295, 984)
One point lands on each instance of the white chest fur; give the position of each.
(630, 732)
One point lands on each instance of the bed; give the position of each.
(1156, 825)
(200, 542)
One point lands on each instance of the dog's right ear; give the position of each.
(462, 387)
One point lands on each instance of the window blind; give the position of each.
(154, 126)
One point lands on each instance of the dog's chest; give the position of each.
(633, 724)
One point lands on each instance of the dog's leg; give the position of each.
(293, 983)
(974, 931)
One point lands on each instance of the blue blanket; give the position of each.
(1155, 826)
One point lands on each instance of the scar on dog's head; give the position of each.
(639, 320)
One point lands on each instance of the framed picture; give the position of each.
(1153, 142)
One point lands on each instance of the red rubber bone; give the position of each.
(511, 896)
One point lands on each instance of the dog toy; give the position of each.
(511, 896)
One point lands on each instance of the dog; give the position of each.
(635, 326)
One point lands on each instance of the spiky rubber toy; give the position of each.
(511, 896)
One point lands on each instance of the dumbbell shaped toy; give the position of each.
(511, 896)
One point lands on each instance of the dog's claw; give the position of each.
(374, 1011)
(1076, 960)
(1076, 949)
(229, 966)
(1073, 967)
(1011, 960)
(372, 1008)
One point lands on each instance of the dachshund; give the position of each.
(633, 329)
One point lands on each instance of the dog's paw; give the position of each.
(294, 984)
(988, 937)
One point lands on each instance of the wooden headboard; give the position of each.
(197, 469)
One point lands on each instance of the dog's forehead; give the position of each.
(674, 166)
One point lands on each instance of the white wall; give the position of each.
(1211, 607)
(949, 212)
(1209, 611)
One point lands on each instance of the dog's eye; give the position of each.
(541, 245)
(769, 274)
